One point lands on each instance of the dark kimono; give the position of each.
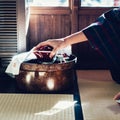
(104, 35)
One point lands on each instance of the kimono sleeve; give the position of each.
(104, 35)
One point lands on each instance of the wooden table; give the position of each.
(8, 86)
(97, 90)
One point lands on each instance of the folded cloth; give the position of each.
(14, 65)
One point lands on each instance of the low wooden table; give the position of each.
(97, 90)
(8, 87)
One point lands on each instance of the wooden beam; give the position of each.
(74, 5)
(50, 10)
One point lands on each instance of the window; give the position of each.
(100, 3)
(49, 3)
(84, 3)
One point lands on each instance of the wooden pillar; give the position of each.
(74, 5)
(21, 26)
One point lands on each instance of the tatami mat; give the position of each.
(36, 107)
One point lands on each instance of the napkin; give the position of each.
(14, 65)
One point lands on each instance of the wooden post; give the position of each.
(21, 26)
(74, 5)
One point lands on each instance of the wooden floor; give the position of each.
(97, 90)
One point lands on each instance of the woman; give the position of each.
(103, 35)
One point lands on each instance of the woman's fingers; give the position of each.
(117, 96)
(57, 44)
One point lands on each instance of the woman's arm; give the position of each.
(58, 44)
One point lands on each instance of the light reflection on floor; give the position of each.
(60, 106)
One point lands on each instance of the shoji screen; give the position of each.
(12, 29)
(8, 30)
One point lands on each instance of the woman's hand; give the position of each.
(57, 44)
(117, 96)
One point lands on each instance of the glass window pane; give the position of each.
(50, 3)
(100, 3)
